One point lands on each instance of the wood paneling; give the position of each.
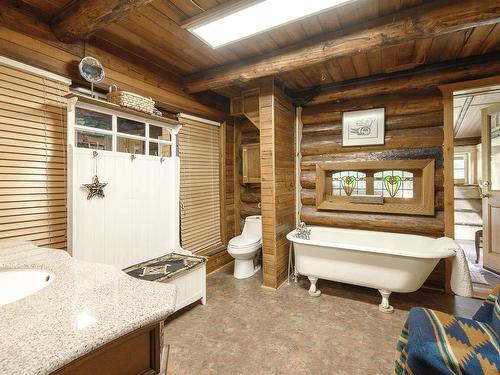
(218, 260)
(246, 195)
(277, 148)
(392, 33)
(30, 41)
(32, 158)
(153, 33)
(195, 56)
(82, 18)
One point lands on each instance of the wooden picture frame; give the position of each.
(363, 128)
(422, 202)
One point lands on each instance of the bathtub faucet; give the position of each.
(303, 232)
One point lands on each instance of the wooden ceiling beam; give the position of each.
(81, 18)
(422, 78)
(429, 20)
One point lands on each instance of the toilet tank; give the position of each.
(253, 226)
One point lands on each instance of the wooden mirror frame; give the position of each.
(421, 204)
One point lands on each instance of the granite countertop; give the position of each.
(86, 306)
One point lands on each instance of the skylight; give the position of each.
(257, 18)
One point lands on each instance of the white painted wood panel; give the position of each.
(137, 219)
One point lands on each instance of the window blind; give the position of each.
(32, 157)
(199, 152)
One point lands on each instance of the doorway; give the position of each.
(476, 182)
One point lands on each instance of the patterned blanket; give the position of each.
(433, 342)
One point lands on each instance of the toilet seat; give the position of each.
(243, 242)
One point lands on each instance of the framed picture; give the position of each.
(363, 128)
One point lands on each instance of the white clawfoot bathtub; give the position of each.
(389, 262)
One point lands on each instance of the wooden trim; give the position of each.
(222, 176)
(448, 91)
(198, 119)
(491, 258)
(237, 186)
(98, 105)
(217, 12)
(459, 87)
(422, 204)
(469, 141)
(32, 70)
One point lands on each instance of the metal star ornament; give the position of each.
(95, 189)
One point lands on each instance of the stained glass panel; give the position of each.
(393, 184)
(348, 183)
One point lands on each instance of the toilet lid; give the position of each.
(241, 241)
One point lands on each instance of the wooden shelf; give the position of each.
(126, 111)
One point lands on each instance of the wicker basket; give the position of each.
(130, 100)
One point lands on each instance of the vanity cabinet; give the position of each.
(250, 156)
(135, 353)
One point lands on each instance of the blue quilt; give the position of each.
(433, 342)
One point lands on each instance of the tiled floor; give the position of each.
(247, 329)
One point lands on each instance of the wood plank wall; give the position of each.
(277, 152)
(414, 130)
(249, 194)
(35, 46)
(29, 40)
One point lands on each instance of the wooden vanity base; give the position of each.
(135, 353)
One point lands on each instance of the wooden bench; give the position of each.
(184, 270)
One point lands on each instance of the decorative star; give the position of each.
(95, 189)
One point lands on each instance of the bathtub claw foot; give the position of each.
(384, 306)
(313, 292)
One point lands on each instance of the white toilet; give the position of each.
(245, 248)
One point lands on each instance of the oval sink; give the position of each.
(18, 283)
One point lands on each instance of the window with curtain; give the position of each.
(200, 192)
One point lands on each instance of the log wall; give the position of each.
(414, 130)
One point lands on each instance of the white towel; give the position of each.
(461, 283)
